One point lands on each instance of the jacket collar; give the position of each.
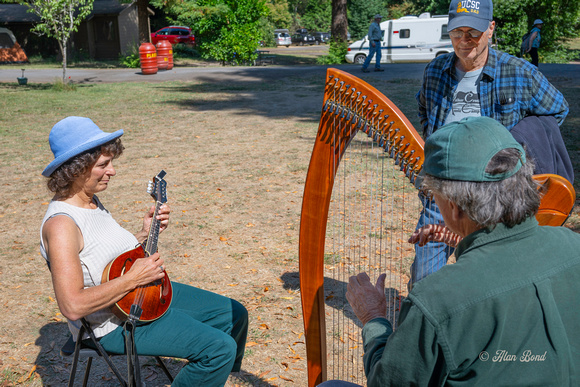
(490, 235)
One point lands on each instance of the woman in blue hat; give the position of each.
(79, 238)
(535, 40)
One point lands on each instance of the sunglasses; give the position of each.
(458, 34)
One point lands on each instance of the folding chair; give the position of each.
(79, 349)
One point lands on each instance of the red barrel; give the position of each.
(148, 58)
(164, 55)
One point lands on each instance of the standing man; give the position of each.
(506, 313)
(535, 39)
(375, 36)
(475, 80)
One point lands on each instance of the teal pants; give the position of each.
(207, 329)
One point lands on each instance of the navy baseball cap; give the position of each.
(470, 13)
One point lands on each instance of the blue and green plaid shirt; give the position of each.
(510, 89)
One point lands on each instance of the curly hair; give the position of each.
(509, 201)
(61, 180)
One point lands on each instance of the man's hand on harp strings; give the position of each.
(367, 300)
(435, 233)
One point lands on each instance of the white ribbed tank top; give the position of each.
(104, 240)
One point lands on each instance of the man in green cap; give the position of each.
(506, 313)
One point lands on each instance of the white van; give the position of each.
(407, 39)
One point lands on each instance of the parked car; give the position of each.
(303, 38)
(282, 37)
(321, 37)
(175, 35)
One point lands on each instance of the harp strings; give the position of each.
(372, 212)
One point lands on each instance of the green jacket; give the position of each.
(506, 314)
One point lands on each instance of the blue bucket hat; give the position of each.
(72, 136)
(470, 13)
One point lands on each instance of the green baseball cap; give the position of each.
(461, 150)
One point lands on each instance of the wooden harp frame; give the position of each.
(357, 106)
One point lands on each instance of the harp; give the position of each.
(358, 217)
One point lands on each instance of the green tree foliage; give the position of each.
(279, 15)
(227, 30)
(360, 16)
(336, 53)
(59, 19)
(435, 7)
(514, 19)
(317, 15)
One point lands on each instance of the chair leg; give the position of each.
(103, 353)
(135, 372)
(164, 368)
(87, 371)
(73, 369)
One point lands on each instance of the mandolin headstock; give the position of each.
(158, 188)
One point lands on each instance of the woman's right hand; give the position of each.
(147, 270)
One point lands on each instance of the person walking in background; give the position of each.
(375, 36)
(534, 40)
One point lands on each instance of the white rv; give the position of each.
(407, 39)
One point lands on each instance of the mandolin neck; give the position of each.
(153, 236)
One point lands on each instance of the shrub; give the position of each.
(132, 60)
(184, 51)
(336, 53)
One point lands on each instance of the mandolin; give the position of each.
(145, 303)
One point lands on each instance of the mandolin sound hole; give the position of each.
(161, 299)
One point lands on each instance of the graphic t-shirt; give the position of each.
(466, 97)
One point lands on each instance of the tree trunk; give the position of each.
(339, 26)
(62, 45)
(143, 16)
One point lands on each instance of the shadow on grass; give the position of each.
(289, 60)
(277, 94)
(55, 86)
(54, 370)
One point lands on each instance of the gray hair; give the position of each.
(509, 201)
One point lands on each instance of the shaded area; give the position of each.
(271, 97)
(54, 370)
(335, 295)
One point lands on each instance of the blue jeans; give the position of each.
(372, 51)
(207, 329)
(434, 255)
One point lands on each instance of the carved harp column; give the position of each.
(351, 106)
